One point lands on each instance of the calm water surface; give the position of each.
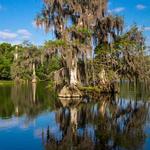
(32, 118)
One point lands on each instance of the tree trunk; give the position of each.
(34, 92)
(93, 72)
(86, 69)
(33, 67)
(102, 76)
(34, 74)
(72, 90)
(15, 56)
(73, 72)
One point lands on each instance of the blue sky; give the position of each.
(17, 16)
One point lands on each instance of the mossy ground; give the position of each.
(90, 89)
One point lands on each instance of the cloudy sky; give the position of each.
(17, 16)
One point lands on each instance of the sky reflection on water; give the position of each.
(35, 120)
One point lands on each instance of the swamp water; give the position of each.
(31, 118)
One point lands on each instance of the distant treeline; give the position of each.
(16, 61)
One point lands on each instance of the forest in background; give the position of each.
(21, 67)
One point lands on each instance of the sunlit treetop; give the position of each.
(82, 13)
(85, 15)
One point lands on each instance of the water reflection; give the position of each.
(121, 122)
(28, 99)
(108, 124)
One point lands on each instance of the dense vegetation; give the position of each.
(124, 59)
(16, 62)
(94, 50)
(6, 60)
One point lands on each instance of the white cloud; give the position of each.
(140, 6)
(8, 123)
(116, 10)
(14, 37)
(6, 35)
(24, 33)
(147, 28)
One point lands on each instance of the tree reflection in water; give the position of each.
(107, 124)
(26, 99)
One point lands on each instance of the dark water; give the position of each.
(31, 118)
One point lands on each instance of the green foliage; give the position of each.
(6, 60)
(27, 54)
(56, 43)
(112, 75)
(90, 89)
(44, 71)
(85, 31)
(21, 72)
(124, 57)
